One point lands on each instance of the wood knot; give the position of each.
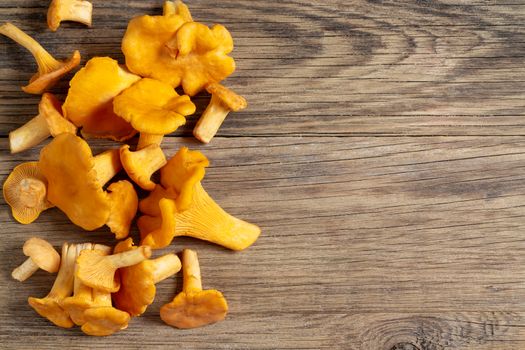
(404, 346)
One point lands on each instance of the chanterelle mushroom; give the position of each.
(140, 165)
(25, 191)
(89, 101)
(49, 307)
(75, 179)
(41, 255)
(50, 70)
(153, 108)
(223, 101)
(195, 214)
(69, 10)
(173, 50)
(104, 320)
(194, 307)
(97, 271)
(48, 122)
(137, 282)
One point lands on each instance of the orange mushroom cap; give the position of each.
(177, 52)
(89, 102)
(103, 321)
(75, 181)
(25, 191)
(153, 107)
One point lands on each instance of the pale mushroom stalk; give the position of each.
(107, 165)
(149, 139)
(98, 271)
(41, 255)
(48, 122)
(165, 267)
(50, 70)
(223, 101)
(191, 272)
(49, 307)
(69, 10)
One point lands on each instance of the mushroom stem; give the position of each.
(107, 165)
(63, 285)
(191, 271)
(165, 266)
(131, 257)
(149, 139)
(29, 134)
(24, 271)
(44, 60)
(211, 120)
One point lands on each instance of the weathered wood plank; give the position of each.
(367, 243)
(324, 68)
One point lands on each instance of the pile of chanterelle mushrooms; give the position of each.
(98, 287)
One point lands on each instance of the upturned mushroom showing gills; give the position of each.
(48, 122)
(49, 307)
(69, 10)
(195, 214)
(194, 307)
(98, 272)
(41, 255)
(50, 70)
(25, 191)
(137, 282)
(75, 179)
(82, 298)
(153, 108)
(141, 164)
(171, 49)
(223, 101)
(124, 204)
(89, 102)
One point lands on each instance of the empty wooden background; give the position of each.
(383, 155)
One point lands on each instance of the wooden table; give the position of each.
(382, 154)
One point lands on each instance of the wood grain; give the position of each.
(315, 67)
(382, 154)
(353, 229)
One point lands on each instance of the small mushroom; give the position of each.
(153, 108)
(89, 101)
(194, 307)
(124, 203)
(98, 271)
(82, 298)
(223, 101)
(50, 70)
(48, 122)
(25, 191)
(49, 306)
(75, 179)
(41, 255)
(104, 320)
(69, 10)
(137, 282)
(140, 165)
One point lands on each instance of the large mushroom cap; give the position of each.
(73, 186)
(42, 254)
(195, 309)
(89, 102)
(153, 107)
(103, 321)
(25, 191)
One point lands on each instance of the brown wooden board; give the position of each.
(382, 154)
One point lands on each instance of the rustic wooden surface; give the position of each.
(383, 156)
